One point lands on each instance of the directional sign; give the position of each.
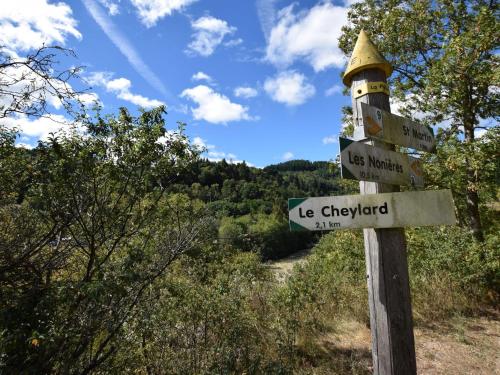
(387, 210)
(367, 163)
(394, 129)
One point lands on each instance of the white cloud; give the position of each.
(24, 145)
(310, 35)
(125, 47)
(200, 76)
(288, 155)
(171, 136)
(121, 88)
(98, 78)
(214, 155)
(208, 34)
(111, 6)
(214, 107)
(245, 92)
(335, 89)
(330, 139)
(478, 133)
(28, 24)
(233, 42)
(201, 144)
(290, 88)
(39, 128)
(411, 100)
(89, 98)
(31, 90)
(150, 11)
(217, 154)
(348, 3)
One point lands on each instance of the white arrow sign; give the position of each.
(387, 210)
(368, 163)
(394, 129)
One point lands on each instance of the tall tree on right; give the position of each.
(446, 68)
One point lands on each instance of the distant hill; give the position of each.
(298, 165)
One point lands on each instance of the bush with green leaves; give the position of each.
(450, 273)
(211, 314)
(85, 230)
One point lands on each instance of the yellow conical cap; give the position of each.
(365, 56)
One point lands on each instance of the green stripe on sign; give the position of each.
(344, 143)
(294, 202)
(296, 227)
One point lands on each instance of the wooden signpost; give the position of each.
(391, 323)
(381, 209)
(388, 210)
(363, 162)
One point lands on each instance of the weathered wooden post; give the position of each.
(393, 346)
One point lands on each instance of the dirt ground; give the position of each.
(463, 347)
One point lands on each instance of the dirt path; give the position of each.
(283, 267)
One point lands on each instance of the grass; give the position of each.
(452, 333)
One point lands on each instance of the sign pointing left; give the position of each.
(387, 210)
(367, 163)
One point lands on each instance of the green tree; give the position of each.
(85, 236)
(445, 66)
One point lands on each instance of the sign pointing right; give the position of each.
(394, 129)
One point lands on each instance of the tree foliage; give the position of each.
(445, 67)
(86, 229)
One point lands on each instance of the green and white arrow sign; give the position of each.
(394, 129)
(387, 210)
(367, 163)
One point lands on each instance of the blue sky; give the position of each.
(254, 80)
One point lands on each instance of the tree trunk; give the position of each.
(472, 194)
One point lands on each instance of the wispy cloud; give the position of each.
(121, 87)
(212, 154)
(288, 156)
(245, 92)
(151, 11)
(201, 76)
(330, 140)
(267, 15)
(125, 47)
(208, 34)
(335, 89)
(111, 6)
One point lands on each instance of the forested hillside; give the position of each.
(251, 203)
